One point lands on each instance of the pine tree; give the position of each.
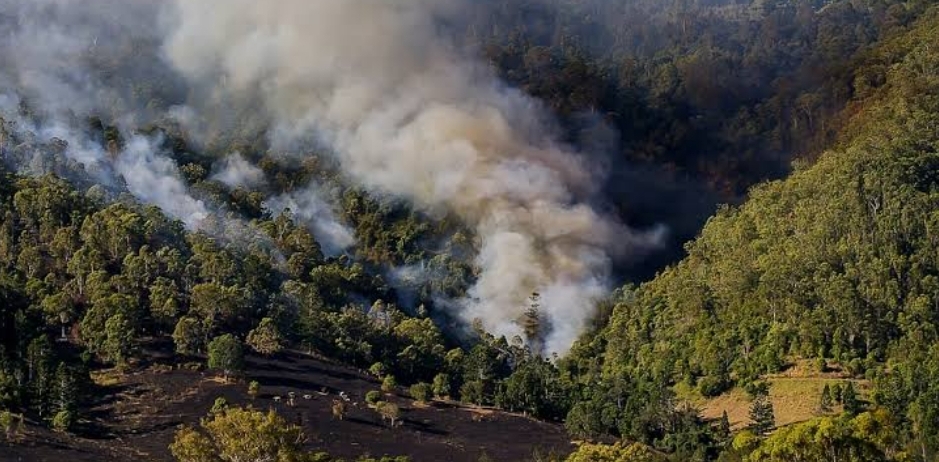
(825, 402)
(724, 431)
(852, 405)
(836, 393)
(533, 323)
(762, 415)
(66, 390)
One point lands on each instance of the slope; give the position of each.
(836, 262)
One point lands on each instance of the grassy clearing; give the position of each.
(795, 395)
(794, 400)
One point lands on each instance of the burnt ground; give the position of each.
(138, 412)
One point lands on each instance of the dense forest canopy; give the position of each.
(449, 217)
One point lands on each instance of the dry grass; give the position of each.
(107, 377)
(794, 400)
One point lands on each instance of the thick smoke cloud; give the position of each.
(48, 56)
(377, 83)
(406, 114)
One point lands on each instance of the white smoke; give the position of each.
(309, 208)
(153, 178)
(48, 56)
(407, 115)
(235, 171)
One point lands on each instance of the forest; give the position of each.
(788, 149)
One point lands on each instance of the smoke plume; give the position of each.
(308, 208)
(377, 83)
(49, 54)
(380, 84)
(235, 171)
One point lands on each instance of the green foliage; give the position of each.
(373, 397)
(378, 370)
(119, 343)
(188, 336)
(421, 392)
(242, 434)
(12, 425)
(239, 434)
(62, 421)
(584, 421)
(254, 389)
(619, 452)
(388, 384)
(388, 411)
(762, 415)
(849, 398)
(219, 405)
(867, 437)
(533, 388)
(826, 400)
(441, 385)
(473, 392)
(837, 261)
(226, 354)
(710, 386)
(265, 339)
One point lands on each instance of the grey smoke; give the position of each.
(49, 54)
(310, 209)
(153, 178)
(234, 171)
(373, 82)
(407, 115)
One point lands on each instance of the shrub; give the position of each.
(220, 405)
(472, 392)
(421, 392)
(265, 339)
(62, 421)
(373, 397)
(441, 385)
(378, 370)
(226, 354)
(388, 384)
(711, 386)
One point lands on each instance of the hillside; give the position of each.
(226, 198)
(137, 415)
(836, 262)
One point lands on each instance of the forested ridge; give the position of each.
(834, 265)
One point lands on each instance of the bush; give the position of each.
(373, 397)
(388, 411)
(226, 354)
(756, 388)
(254, 389)
(472, 392)
(378, 370)
(6, 421)
(421, 392)
(188, 336)
(711, 386)
(265, 339)
(441, 385)
(856, 367)
(389, 384)
(62, 421)
(220, 405)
